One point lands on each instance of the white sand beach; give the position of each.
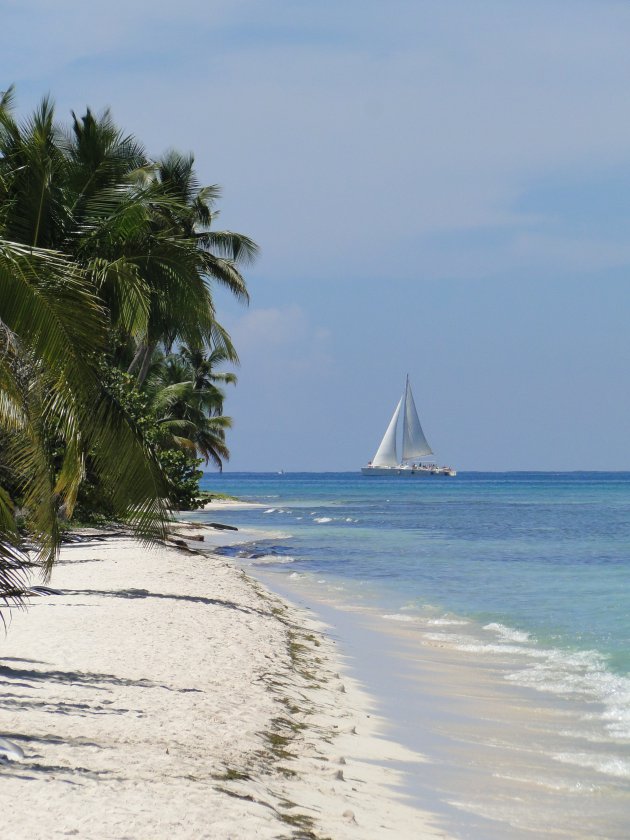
(164, 694)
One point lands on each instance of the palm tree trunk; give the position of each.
(136, 359)
(146, 362)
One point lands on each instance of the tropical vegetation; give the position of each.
(111, 393)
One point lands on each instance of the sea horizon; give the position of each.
(460, 472)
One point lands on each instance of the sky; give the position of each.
(438, 187)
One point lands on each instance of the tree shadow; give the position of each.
(72, 562)
(39, 770)
(144, 593)
(61, 707)
(99, 682)
(52, 739)
(19, 659)
(29, 678)
(31, 768)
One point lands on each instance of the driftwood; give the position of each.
(180, 543)
(176, 535)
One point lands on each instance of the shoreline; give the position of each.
(181, 698)
(476, 726)
(462, 693)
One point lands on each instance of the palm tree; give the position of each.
(188, 404)
(102, 252)
(218, 255)
(72, 196)
(53, 327)
(204, 365)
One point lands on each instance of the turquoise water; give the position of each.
(548, 554)
(519, 581)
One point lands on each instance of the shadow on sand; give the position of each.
(144, 593)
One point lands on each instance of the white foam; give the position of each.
(583, 735)
(451, 639)
(268, 559)
(552, 784)
(609, 765)
(270, 510)
(492, 648)
(398, 617)
(508, 633)
(322, 519)
(443, 622)
(583, 674)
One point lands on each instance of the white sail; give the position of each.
(415, 445)
(386, 453)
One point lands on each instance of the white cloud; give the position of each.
(277, 342)
(343, 132)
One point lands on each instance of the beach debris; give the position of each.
(339, 776)
(195, 537)
(348, 816)
(10, 751)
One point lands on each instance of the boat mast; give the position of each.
(404, 423)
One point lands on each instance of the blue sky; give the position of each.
(438, 187)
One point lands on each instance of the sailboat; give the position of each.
(414, 445)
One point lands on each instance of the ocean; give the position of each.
(503, 598)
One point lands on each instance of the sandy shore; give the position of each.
(165, 694)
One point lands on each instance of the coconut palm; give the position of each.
(218, 256)
(53, 312)
(98, 243)
(71, 196)
(203, 366)
(188, 404)
(53, 325)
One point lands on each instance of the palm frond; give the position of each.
(235, 247)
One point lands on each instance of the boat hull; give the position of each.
(414, 445)
(410, 471)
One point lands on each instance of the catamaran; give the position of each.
(414, 445)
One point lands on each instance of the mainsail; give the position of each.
(386, 453)
(415, 445)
